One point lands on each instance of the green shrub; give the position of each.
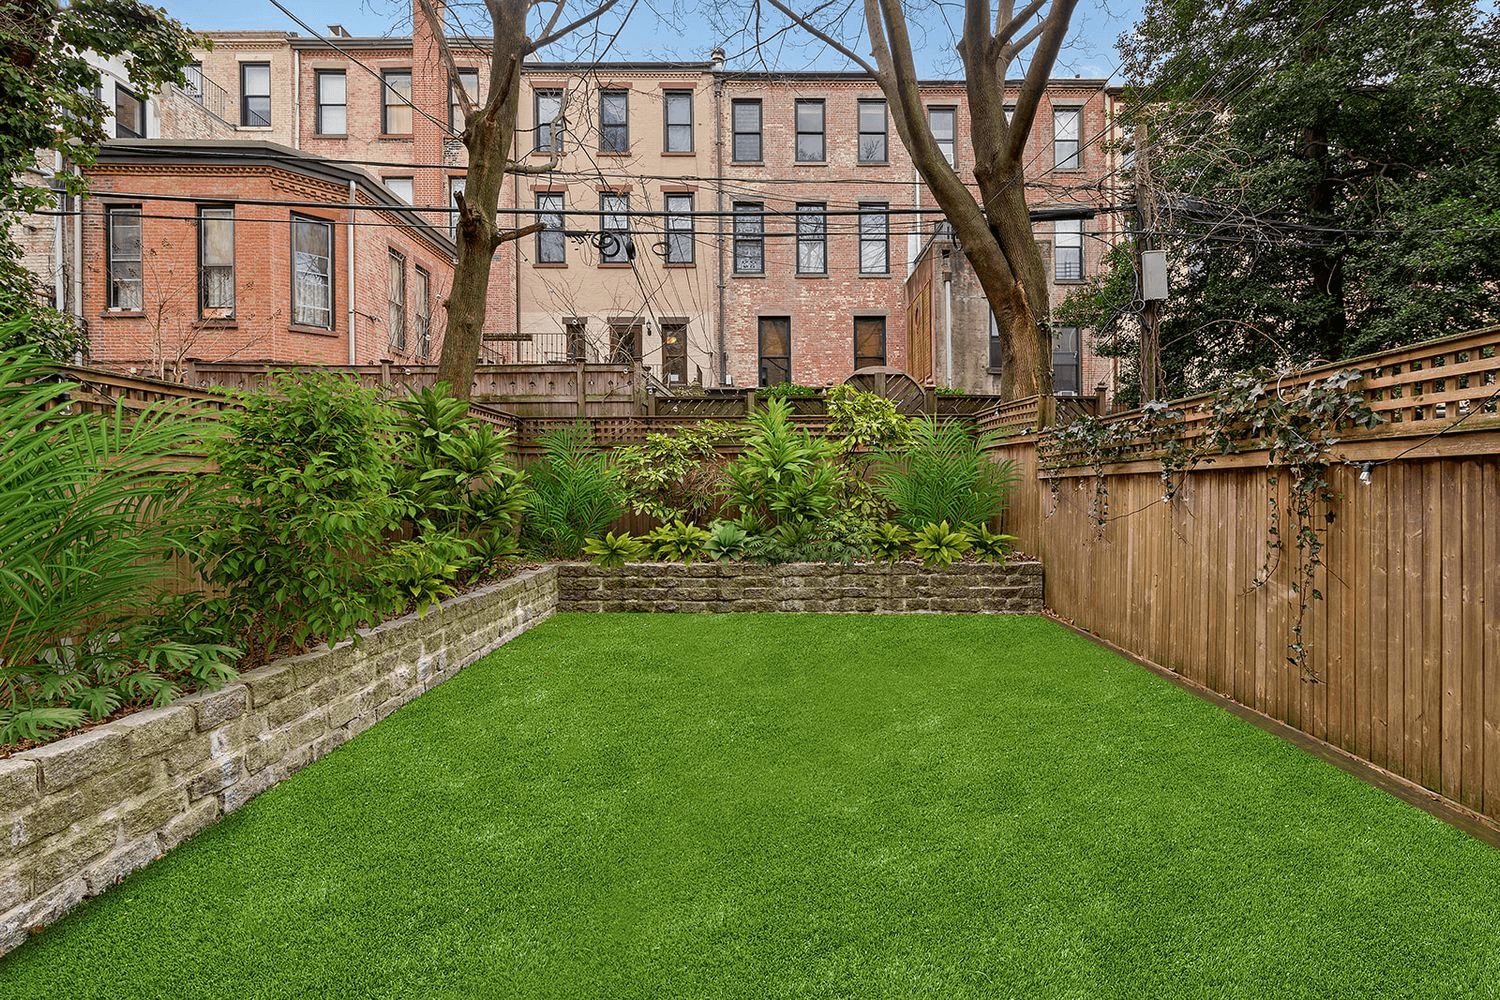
(865, 420)
(573, 492)
(889, 542)
(988, 546)
(678, 542)
(943, 475)
(676, 476)
(307, 497)
(726, 540)
(939, 545)
(93, 505)
(784, 480)
(613, 551)
(781, 390)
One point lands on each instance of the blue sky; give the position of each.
(684, 34)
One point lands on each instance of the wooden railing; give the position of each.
(1036, 413)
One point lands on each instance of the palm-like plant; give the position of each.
(573, 493)
(784, 479)
(943, 475)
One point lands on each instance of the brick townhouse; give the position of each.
(716, 226)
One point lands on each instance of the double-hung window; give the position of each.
(401, 187)
(812, 238)
(873, 135)
(123, 223)
(333, 102)
(679, 228)
(216, 262)
(312, 272)
(422, 312)
(395, 300)
(547, 109)
(1068, 249)
(395, 109)
(468, 80)
(130, 115)
(551, 243)
(944, 125)
(614, 228)
(874, 238)
(811, 144)
(678, 114)
(1065, 153)
(614, 121)
(745, 119)
(749, 238)
(255, 94)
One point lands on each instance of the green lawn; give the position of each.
(799, 806)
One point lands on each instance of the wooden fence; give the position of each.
(1405, 645)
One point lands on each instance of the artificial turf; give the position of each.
(799, 806)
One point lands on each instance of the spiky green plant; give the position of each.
(987, 545)
(678, 542)
(784, 477)
(573, 493)
(943, 474)
(93, 504)
(613, 551)
(889, 542)
(726, 540)
(940, 545)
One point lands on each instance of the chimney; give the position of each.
(337, 31)
(716, 56)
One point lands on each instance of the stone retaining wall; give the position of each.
(879, 588)
(80, 814)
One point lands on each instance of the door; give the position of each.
(775, 350)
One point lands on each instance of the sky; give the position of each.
(680, 29)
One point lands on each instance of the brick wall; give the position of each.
(905, 587)
(84, 812)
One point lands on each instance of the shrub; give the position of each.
(988, 546)
(613, 551)
(676, 476)
(307, 498)
(865, 420)
(943, 475)
(93, 505)
(678, 542)
(781, 390)
(726, 540)
(939, 545)
(889, 542)
(784, 480)
(573, 493)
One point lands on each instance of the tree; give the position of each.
(995, 230)
(488, 135)
(1326, 178)
(47, 88)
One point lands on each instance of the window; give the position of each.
(674, 352)
(192, 75)
(811, 147)
(551, 243)
(872, 132)
(547, 107)
(746, 122)
(775, 337)
(1065, 138)
(216, 263)
(812, 239)
(874, 238)
(333, 102)
(624, 341)
(578, 341)
(679, 228)
(944, 123)
(469, 80)
(395, 299)
(678, 112)
(124, 264)
(749, 238)
(395, 110)
(422, 312)
(1068, 249)
(869, 341)
(255, 95)
(577, 337)
(1065, 360)
(614, 229)
(614, 121)
(455, 188)
(130, 115)
(997, 350)
(400, 187)
(312, 272)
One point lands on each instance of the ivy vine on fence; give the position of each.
(1297, 426)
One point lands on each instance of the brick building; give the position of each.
(716, 226)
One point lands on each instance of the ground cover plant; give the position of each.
(798, 806)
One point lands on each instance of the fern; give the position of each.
(573, 493)
(943, 475)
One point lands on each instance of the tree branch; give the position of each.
(1004, 33)
(511, 235)
(825, 37)
(552, 36)
(526, 169)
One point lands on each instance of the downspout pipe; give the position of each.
(718, 70)
(948, 325)
(353, 186)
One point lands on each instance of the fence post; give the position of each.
(1099, 400)
(749, 402)
(583, 392)
(1046, 412)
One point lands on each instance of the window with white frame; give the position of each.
(812, 238)
(332, 116)
(395, 110)
(1065, 153)
(874, 238)
(401, 187)
(1068, 249)
(679, 228)
(123, 244)
(216, 262)
(944, 125)
(455, 188)
(749, 238)
(312, 272)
